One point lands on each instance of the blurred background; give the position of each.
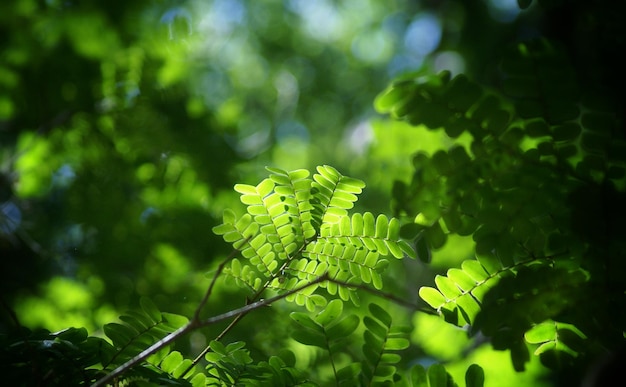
(124, 126)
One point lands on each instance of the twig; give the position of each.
(388, 296)
(195, 324)
(236, 320)
(220, 268)
(208, 347)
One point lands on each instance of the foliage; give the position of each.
(545, 161)
(297, 229)
(289, 218)
(124, 126)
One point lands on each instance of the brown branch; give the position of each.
(220, 268)
(255, 297)
(388, 296)
(195, 324)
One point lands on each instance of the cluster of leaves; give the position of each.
(72, 357)
(330, 330)
(297, 229)
(535, 189)
(296, 235)
(538, 189)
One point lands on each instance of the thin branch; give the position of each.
(220, 268)
(208, 347)
(11, 313)
(195, 324)
(388, 296)
(262, 303)
(191, 325)
(235, 321)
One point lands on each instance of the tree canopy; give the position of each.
(300, 192)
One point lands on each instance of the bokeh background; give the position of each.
(124, 126)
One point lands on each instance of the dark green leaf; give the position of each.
(150, 308)
(343, 328)
(437, 376)
(474, 376)
(380, 314)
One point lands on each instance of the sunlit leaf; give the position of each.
(432, 296)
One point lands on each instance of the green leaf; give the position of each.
(489, 261)
(265, 187)
(437, 376)
(380, 314)
(474, 376)
(198, 380)
(74, 335)
(375, 328)
(432, 296)
(150, 308)
(330, 313)
(174, 320)
(475, 270)
(119, 334)
(390, 358)
(218, 347)
(381, 226)
(519, 355)
(384, 371)
(172, 361)
(369, 224)
(461, 279)
(407, 249)
(396, 344)
(447, 287)
(343, 328)
(223, 229)
(545, 347)
(435, 236)
(423, 250)
(285, 213)
(468, 306)
(246, 189)
(418, 376)
(540, 333)
(306, 321)
(309, 337)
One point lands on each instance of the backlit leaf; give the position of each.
(432, 296)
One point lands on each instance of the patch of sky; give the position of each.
(360, 137)
(174, 15)
(449, 60)
(288, 92)
(10, 217)
(423, 35)
(504, 11)
(64, 176)
(320, 19)
(292, 129)
(420, 38)
(373, 46)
